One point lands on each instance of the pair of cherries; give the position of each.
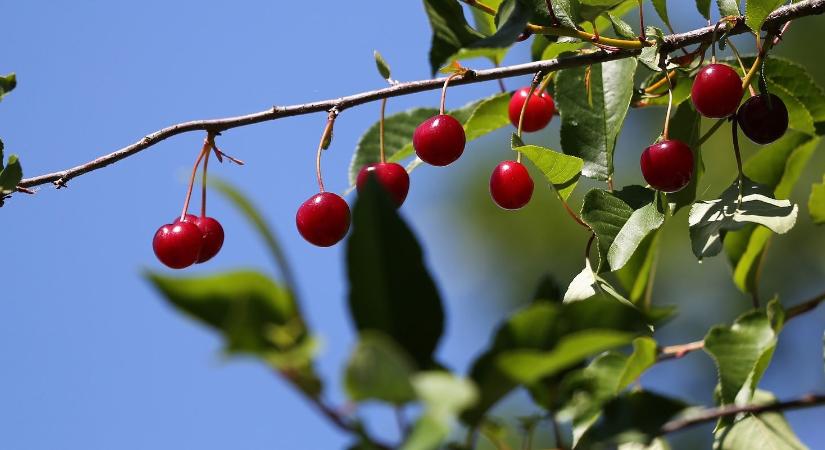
(716, 93)
(193, 240)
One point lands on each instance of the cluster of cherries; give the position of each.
(324, 219)
(717, 90)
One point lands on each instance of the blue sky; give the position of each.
(91, 357)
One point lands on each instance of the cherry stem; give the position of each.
(444, 91)
(207, 146)
(546, 82)
(734, 131)
(665, 80)
(533, 85)
(203, 182)
(570, 211)
(741, 64)
(326, 137)
(381, 131)
(713, 39)
(666, 131)
(710, 132)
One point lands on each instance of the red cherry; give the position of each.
(511, 185)
(716, 91)
(178, 245)
(323, 220)
(760, 122)
(212, 233)
(667, 165)
(539, 112)
(439, 140)
(391, 176)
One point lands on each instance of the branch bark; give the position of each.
(671, 42)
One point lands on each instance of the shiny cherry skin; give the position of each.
(324, 219)
(391, 176)
(716, 91)
(510, 185)
(760, 122)
(178, 245)
(212, 233)
(539, 112)
(667, 165)
(439, 140)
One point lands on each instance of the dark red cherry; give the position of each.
(439, 140)
(178, 245)
(510, 185)
(391, 176)
(760, 122)
(667, 165)
(716, 91)
(539, 112)
(212, 233)
(323, 220)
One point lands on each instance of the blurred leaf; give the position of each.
(643, 356)
(381, 64)
(487, 116)
(657, 444)
(592, 119)
(742, 352)
(816, 202)
(7, 84)
(756, 11)
(632, 417)
(11, 175)
(704, 8)
(709, 218)
(562, 171)
(661, 10)
(391, 290)
(379, 370)
(451, 31)
(766, 431)
(728, 7)
(620, 220)
(777, 166)
(444, 397)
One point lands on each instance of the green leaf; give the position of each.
(391, 290)
(742, 352)
(487, 115)
(756, 11)
(620, 27)
(642, 358)
(708, 219)
(11, 175)
(661, 10)
(451, 32)
(816, 202)
(685, 126)
(766, 431)
(512, 18)
(632, 417)
(7, 84)
(444, 397)
(657, 444)
(591, 121)
(485, 23)
(728, 7)
(557, 48)
(562, 171)
(381, 65)
(620, 220)
(379, 370)
(704, 8)
(635, 276)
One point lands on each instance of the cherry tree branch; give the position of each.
(216, 126)
(712, 414)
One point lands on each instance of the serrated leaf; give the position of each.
(11, 175)
(620, 27)
(381, 65)
(741, 352)
(728, 7)
(592, 120)
(756, 11)
(816, 202)
(444, 397)
(661, 9)
(620, 220)
(562, 171)
(704, 8)
(451, 32)
(765, 431)
(378, 369)
(708, 219)
(7, 84)
(390, 289)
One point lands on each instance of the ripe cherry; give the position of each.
(539, 112)
(761, 122)
(716, 91)
(323, 220)
(178, 245)
(439, 140)
(212, 233)
(667, 165)
(510, 185)
(391, 176)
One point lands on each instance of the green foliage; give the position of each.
(7, 84)
(766, 431)
(816, 202)
(381, 65)
(511, 19)
(756, 11)
(704, 8)
(444, 397)
(561, 171)
(633, 417)
(451, 32)
(728, 7)
(10, 175)
(391, 290)
(661, 10)
(379, 370)
(592, 118)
